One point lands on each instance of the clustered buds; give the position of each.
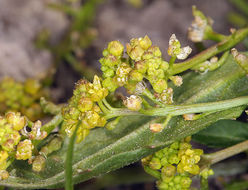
(199, 27)
(23, 97)
(83, 108)
(12, 141)
(176, 164)
(144, 61)
(175, 49)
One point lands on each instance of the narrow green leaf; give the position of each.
(104, 151)
(223, 133)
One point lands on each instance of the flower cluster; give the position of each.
(144, 61)
(83, 109)
(16, 139)
(176, 164)
(23, 97)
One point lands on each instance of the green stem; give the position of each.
(172, 61)
(102, 107)
(224, 45)
(175, 110)
(68, 162)
(107, 104)
(225, 153)
(197, 108)
(214, 36)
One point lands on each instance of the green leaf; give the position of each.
(223, 133)
(104, 151)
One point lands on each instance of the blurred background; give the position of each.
(60, 41)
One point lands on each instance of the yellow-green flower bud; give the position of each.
(164, 66)
(135, 52)
(110, 84)
(133, 103)
(115, 48)
(145, 42)
(155, 51)
(173, 159)
(24, 150)
(160, 86)
(134, 75)
(140, 66)
(39, 163)
(109, 60)
(85, 104)
(186, 182)
(155, 163)
(16, 120)
(168, 171)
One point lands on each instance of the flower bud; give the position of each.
(177, 80)
(110, 84)
(135, 52)
(160, 86)
(155, 163)
(115, 48)
(241, 59)
(133, 103)
(85, 104)
(39, 163)
(24, 150)
(155, 51)
(135, 76)
(156, 127)
(16, 120)
(140, 66)
(168, 171)
(145, 42)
